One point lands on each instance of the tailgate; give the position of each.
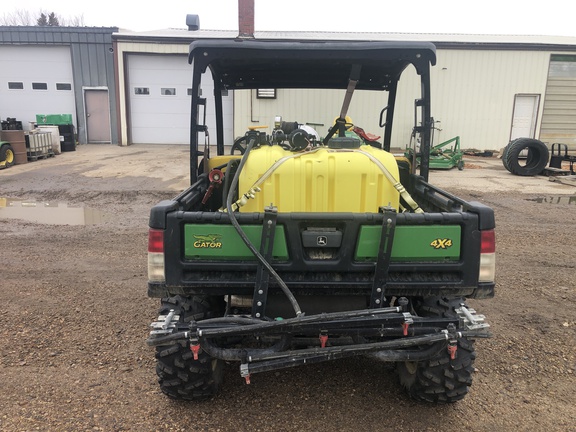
(432, 253)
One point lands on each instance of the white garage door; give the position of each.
(35, 80)
(160, 87)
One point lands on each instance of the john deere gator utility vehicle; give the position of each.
(295, 246)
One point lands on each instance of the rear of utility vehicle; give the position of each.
(295, 245)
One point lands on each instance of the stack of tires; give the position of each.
(536, 158)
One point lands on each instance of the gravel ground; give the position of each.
(75, 315)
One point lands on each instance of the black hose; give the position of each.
(162, 340)
(245, 238)
(281, 325)
(240, 354)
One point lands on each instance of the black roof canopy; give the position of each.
(250, 64)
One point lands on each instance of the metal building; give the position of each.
(60, 70)
(155, 82)
(486, 89)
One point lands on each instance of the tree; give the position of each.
(53, 20)
(18, 17)
(42, 21)
(21, 17)
(73, 21)
(50, 20)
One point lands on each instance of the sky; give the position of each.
(496, 17)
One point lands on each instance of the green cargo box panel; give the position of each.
(222, 242)
(412, 243)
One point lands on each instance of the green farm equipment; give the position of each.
(443, 155)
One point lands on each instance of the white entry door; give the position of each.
(525, 116)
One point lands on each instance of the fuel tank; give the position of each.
(320, 180)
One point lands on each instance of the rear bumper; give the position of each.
(357, 284)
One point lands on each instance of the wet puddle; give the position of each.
(49, 213)
(560, 199)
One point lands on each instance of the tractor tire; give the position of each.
(536, 160)
(179, 375)
(439, 379)
(6, 156)
(504, 153)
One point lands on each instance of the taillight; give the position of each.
(487, 256)
(155, 240)
(488, 241)
(156, 255)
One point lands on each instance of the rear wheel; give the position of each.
(179, 375)
(439, 379)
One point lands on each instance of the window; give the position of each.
(562, 66)
(141, 90)
(266, 93)
(39, 86)
(63, 86)
(168, 91)
(16, 86)
(189, 91)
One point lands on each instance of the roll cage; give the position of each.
(255, 64)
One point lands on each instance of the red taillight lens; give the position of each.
(487, 242)
(155, 240)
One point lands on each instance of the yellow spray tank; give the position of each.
(324, 179)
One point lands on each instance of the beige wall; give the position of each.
(472, 97)
(319, 108)
(473, 93)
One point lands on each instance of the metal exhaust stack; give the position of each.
(193, 22)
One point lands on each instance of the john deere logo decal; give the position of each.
(441, 243)
(211, 241)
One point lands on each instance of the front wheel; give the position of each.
(439, 379)
(179, 375)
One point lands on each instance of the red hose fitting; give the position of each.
(195, 350)
(405, 326)
(323, 340)
(452, 351)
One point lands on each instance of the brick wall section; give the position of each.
(246, 18)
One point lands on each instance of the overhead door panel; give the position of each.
(35, 80)
(159, 87)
